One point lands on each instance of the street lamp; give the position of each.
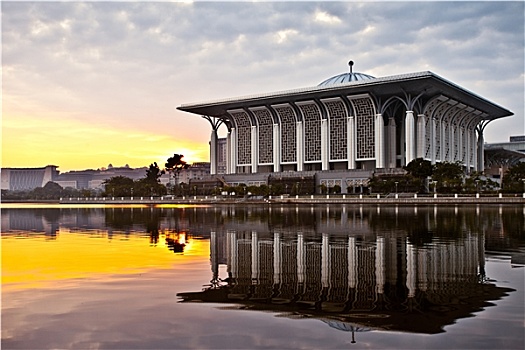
(396, 186)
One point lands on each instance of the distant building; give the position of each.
(94, 179)
(500, 156)
(16, 179)
(20, 179)
(197, 171)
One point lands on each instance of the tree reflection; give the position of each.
(176, 241)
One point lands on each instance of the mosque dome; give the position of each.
(346, 77)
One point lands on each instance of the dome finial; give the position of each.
(351, 63)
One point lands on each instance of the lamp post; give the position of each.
(396, 186)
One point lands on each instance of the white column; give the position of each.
(421, 135)
(352, 262)
(233, 254)
(214, 259)
(392, 143)
(300, 147)
(325, 261)
(255, 149)
(324, 145)
(213, 152)
(255, 257)
(276, 148)
(380, 264)
(379, 131)
(276, 258)
(351, 142)
(410, 152)
(474, 147)
(481, 162)
(301, 268)
(422, 273)
(411, 271)
(233, 149)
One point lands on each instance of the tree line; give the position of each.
(420, 176)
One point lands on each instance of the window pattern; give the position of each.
(473, 147)
(463, 145)
(312, 132)
(446, 140)
(265, 136)
(364, 112)
(338, 130)
(474, 140)
(437, 137)
(448, 129)
(244, 138)
(458, 133)
(428, 127)
(288, 134)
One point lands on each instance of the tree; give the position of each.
(51, 190)
(449, 176)
(120, 186)
(513, 180)
(477, 182)
(153, 174)
(150, 185)
(419, 168)
(175, 164)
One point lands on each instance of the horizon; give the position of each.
(90, 83)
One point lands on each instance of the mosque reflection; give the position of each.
(400, 269)
(354, 282)
(355, 268)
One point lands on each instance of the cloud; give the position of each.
(120, 63)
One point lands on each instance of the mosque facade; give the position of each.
(352, 122)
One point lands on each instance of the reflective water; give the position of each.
(226, 277)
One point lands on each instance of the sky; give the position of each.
(88, 84)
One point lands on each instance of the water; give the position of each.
(312, 277)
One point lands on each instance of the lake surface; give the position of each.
(245, 277)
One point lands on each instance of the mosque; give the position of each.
(348, 127)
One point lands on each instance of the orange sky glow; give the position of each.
(29, 141)
(87, 255)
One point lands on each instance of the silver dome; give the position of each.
(346, 78)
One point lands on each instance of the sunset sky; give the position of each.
(86, 84)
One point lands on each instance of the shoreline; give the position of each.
(312, 199)
(401, 199)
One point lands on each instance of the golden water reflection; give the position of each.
(36, 260)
